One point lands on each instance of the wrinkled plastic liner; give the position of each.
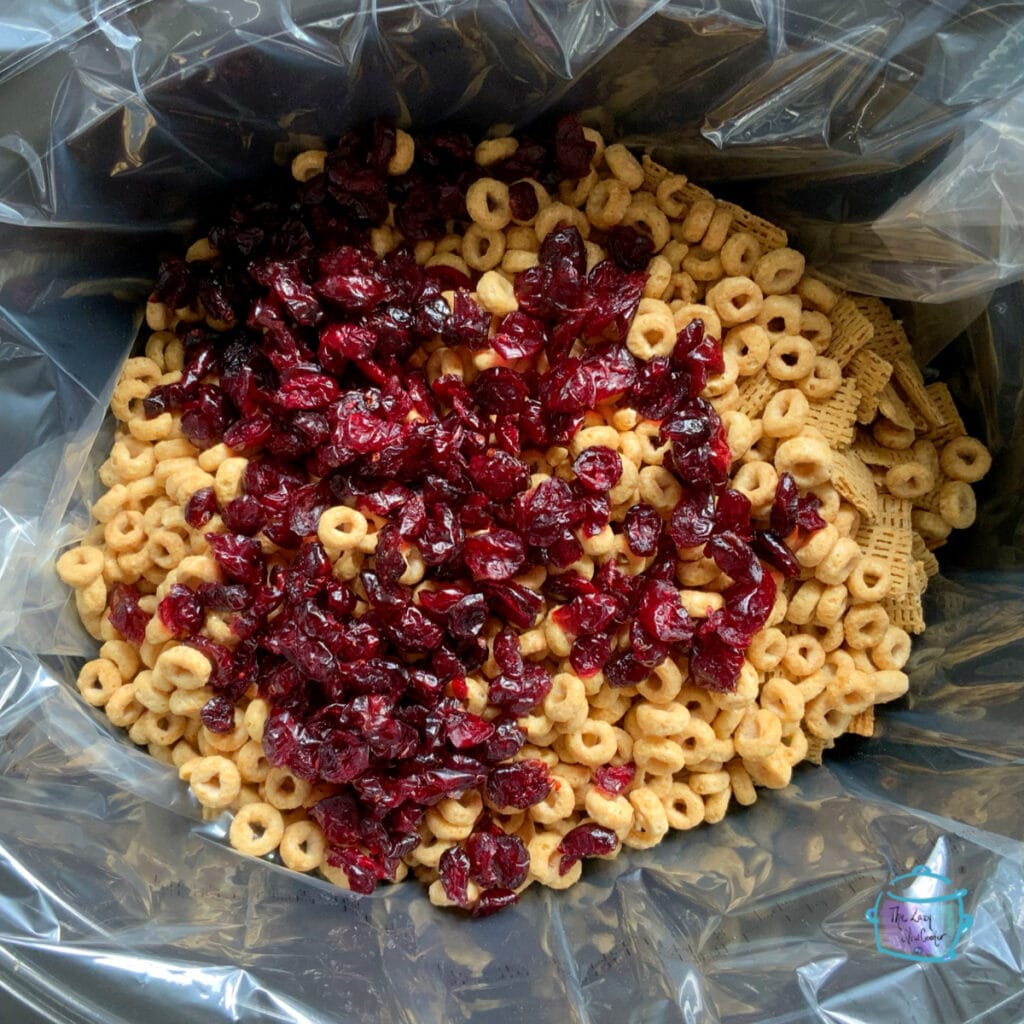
(889, 139)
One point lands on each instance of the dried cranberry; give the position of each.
(614, 779)
(598, 469)
(586, 840)
(125, 614)
(642, 527)
(201, 507)
(519, 785)
(494, 555)
(181, 611)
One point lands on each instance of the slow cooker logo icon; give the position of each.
(918, 917)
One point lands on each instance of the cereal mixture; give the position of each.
(477, 510)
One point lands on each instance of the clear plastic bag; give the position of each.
(888, 137)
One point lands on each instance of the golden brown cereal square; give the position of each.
(864, 723)
(889, 340)
(889, 537)
(872, 373)
(920, 551)
(836, 416)
(892, 407)
(770, 236)
(853, 480)
(869, 451)
(816, 746)
(654, 173)
(851, 331)
(908, 375)
(905, 612)
(756, 392)
(950, 425)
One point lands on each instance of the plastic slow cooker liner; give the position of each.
(889, 138)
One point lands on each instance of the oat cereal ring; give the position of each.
(890, 435)
(648, 220)
(308, 164)
(791, 358)
(496, 293)
(785, 414)
(556, 806)
(256, 829)
(834, 601)
(739, 254)
(492, 151)
(865, 626)
(671, 195)
(684, 313)
(767, 649)
(182, 668)
(98, 681)
(735, 300)
(482, 248)
(756, 480)
(624, 166)
(807, 459)
(750, 344)
(80, 566)
(966, 459)
(659, 277)
(892, 651)
(779, 271)
(839, 563)
(720, 384)
(740, 431)
(163, 728)
(650, 822)
(930, 525)
(559, 215)
(823, 381)
(302, 845)
(284, 790)
(804, 655)
(683, 808)
(131, 460)
(702, 265)
(698, 220)
(780, 317)
(957, 504)
(718, 230)
(652, 332)
(341, 528)
(816, 328)
(214, 781)
(910, 480)
(803, 604)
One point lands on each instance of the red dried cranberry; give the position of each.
(218, 714)
(453, 870)
(642, 527)
(586, 840)
(493, 900)
(598, 468)
(201, 507)
(125, 614)
(181, 611)
(586, 614)
(519, 785)
(495, 555)
(573, 150)
(589, 654)
(497, 860)
(519, 694)
(614, 779)
(662, 615)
